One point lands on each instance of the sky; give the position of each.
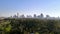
(29, 7)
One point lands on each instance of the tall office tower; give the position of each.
(29, 16)
(42, 15)
(34, 15)
(14, 16)
(47, 16)
(22, 16)
(17, 15)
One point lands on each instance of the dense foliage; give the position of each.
(29, 26)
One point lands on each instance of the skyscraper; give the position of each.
(22, 16)
(14, 16)
(34, 15)
(29, 16)
(17, 15)
(47, 16)
(42, 15)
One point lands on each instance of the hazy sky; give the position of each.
(30, 7)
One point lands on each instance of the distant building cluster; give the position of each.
(29, 16)
(41, 16)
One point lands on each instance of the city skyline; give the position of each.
(29, 7)
(30, 16)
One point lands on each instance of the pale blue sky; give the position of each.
(30, 7)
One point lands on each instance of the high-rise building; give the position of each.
(29, 16)
(14, 16)
(38, 16)
(42, 15)
(22, 16)
(34, 15)
(47, 16)
(17, 15)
